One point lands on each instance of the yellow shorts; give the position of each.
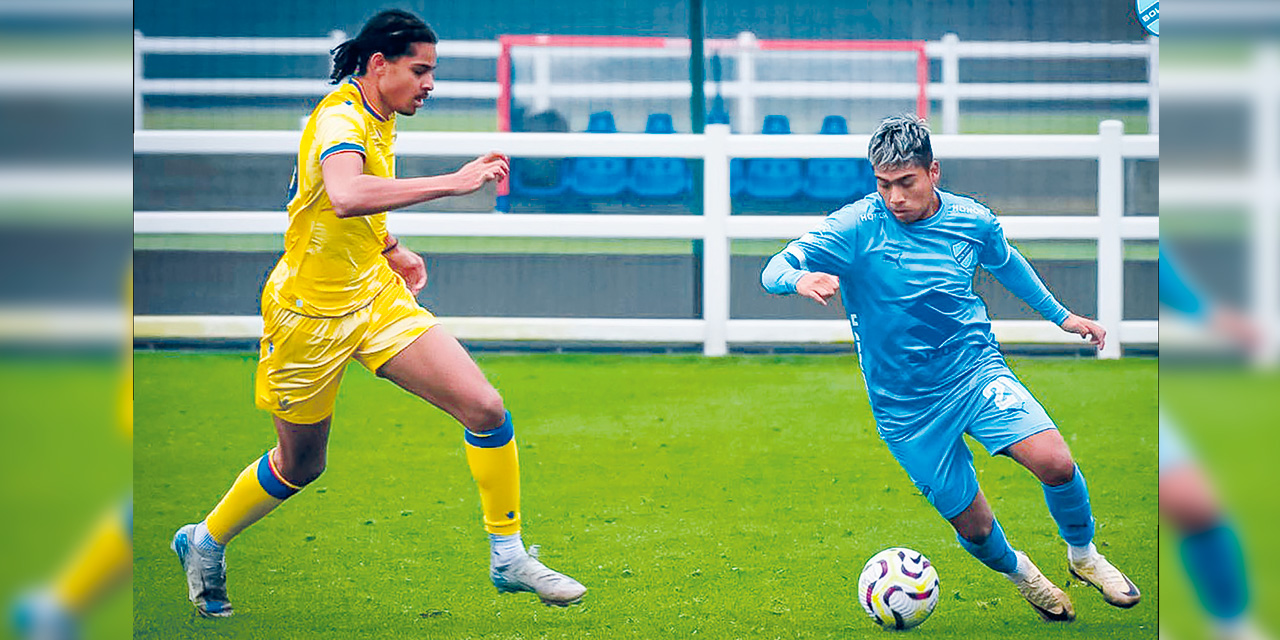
(301, 358)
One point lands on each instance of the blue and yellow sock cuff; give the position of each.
(492, 439)
(272, 480)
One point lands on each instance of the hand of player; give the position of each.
(1236, 326)
(409, 266)
(491, 167)
(818, 286)
(1085, 328)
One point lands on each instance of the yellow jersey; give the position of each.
(333, 266)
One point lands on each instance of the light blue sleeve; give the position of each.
(783, 272)
(1020, 279)
(1176, 291)
(826, 249)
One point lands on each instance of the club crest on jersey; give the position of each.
(964, 253)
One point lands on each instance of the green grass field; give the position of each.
(729, 498)
(64, 464)
(1229, 417)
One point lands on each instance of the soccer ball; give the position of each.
(898, 588)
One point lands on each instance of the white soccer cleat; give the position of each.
(529, 574)
(1117, 589)
(1245, 629)
(38, 616)
(206, 574)
(1047, 599)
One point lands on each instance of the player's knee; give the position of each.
(1058, 470)
(976, 532)
(1195, 517)
(1187, 501)
(485, 413)
(302, 469)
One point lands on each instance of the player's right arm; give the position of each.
(1178, 293)
(809, 264)
(355, 193)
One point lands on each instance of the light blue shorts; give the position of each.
(994, 408)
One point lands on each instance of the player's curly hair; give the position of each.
(900, 141)
(391, 33)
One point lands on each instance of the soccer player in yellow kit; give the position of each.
(344, 290)
(103, 561)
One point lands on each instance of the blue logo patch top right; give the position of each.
(1149, 15)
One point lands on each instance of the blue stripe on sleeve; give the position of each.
(339, 148)
(270, 483)
(492, 439)
(1021, 280)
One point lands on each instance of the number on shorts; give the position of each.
(1005, 393)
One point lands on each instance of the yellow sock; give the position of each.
(495, 465)
(259, 489)
(104, 560)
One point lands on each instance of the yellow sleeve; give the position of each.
(340, 128)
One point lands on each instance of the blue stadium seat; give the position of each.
(776, 125)
(660, 177)
(659, 123)
(834, 125)
(718, 114)
(540, 178)
(601, 122)
(534, 180)
(837, 179)
(774, 178)
(599, 177)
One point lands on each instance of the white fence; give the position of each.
(949, 51)
(1256, 190)
(716, 228)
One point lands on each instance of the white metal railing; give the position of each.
(715, 227)
(1253, 86)
(746, 88)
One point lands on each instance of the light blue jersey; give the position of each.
(908, 289)
(932, 367)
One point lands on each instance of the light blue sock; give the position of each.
(205, 541)
(1069, 506)
(1215, 562)
(995, 551)
(505, 549)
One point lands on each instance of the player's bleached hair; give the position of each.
(391, 33)
(900, 141)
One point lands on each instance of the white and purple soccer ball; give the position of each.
(898, 588)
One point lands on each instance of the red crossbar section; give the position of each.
(504, 99)
(922, 79)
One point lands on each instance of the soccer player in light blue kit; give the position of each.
(1208, 544)
(903, 260)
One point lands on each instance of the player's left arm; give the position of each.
(1013, 271)
(407, 264)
